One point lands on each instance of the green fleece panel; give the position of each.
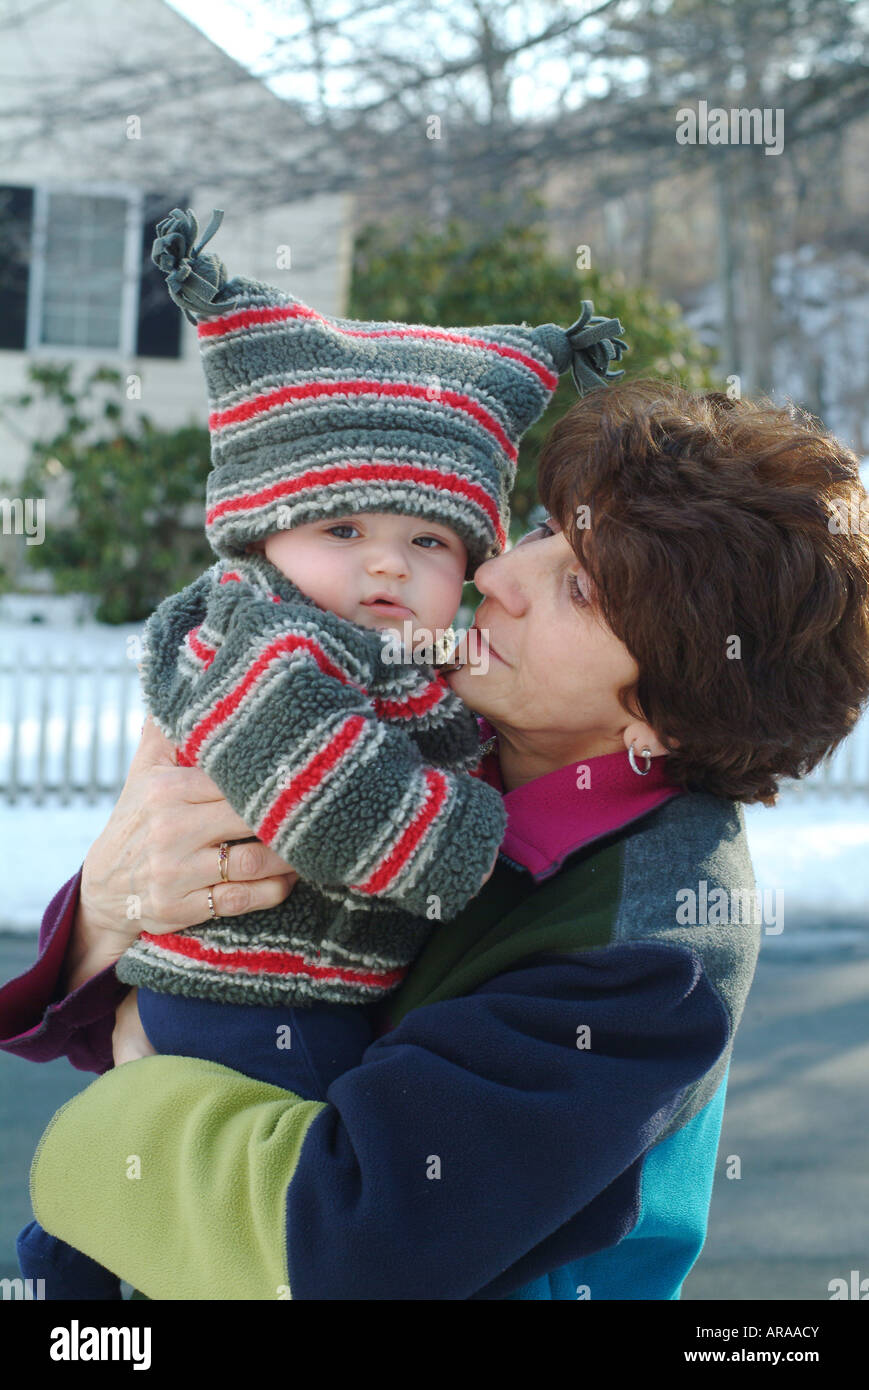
(514, 919)
(229, 1147)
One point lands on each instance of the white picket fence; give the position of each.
(70, 722)
(69, 725)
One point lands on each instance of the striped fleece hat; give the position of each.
(312, 416)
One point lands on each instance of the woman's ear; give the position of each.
(643, 736)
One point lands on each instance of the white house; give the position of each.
(112, 112)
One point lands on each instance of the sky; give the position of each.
(225, 24)
(248, 40)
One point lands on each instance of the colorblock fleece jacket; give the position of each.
(352, 767)
(537, 1116)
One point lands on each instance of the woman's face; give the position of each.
(554, 667)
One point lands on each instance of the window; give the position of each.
(76, 275)
(85, 269)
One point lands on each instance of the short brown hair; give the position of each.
(710, 519)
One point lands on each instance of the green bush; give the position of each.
(134, 531)
(495, 273)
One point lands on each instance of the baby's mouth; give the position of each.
(388, 606)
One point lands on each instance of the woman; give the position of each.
(539, 1115)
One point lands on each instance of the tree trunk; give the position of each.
(729, 351)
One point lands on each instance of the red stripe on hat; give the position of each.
(270, 962)
(313, 390)
(278, 313)
(224, 708)
(310, 777)
(249, 318)
(436, 793)
(345, 473)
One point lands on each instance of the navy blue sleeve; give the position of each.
(477, 1145)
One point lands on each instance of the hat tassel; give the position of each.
(194, 281)
(593, 345)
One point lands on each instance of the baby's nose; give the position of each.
(389, 559)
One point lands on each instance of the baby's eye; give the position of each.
(435, 539)
(344, 527)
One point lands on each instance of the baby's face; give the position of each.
(347, 563)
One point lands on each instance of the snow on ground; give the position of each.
(814, 848)
(43, 846)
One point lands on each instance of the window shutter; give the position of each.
(16, 220)
(160, 321)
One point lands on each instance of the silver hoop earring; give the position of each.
(644, 753)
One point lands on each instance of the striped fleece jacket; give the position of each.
(353, 768)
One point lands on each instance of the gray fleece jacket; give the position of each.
(358, 771)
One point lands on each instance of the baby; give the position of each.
(361, 474)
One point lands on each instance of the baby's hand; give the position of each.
(129, 1040)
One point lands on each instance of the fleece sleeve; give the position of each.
(37, 1021)
(276, 710)
(475, 1146)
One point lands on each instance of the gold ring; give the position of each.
(214, 916)
(223, 862)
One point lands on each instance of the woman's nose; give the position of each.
(500, 579)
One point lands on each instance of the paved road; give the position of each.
(796, 1118)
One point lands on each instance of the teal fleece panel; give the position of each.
(653, 1261)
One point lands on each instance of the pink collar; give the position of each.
(560, 812)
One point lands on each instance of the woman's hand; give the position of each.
(129, 1039)
(151, 868)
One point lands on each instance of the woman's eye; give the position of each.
(575, 592)
(536, 533)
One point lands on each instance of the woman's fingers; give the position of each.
(255, 879)
(151, 868)
(232, 899)
(187, 819)
(192, 813)
(246, 862)
(178, 885)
